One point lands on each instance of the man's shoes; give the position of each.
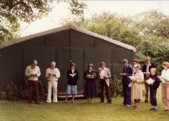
(155, 109)
(146, 101)
(101, 102)
(128, 105)
(152, 108)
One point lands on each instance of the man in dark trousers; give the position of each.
(105, 75)
(127, 71)
(146, 70)
(33, 73)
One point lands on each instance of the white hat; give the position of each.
(137, 66)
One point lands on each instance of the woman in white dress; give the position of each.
(136, 86)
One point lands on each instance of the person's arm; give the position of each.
(109, 73)
(27, 74)
(68, 74)
(39, 72)
(140, 78)
(143, 68)
(77, 75)
(57, 73)
(84, 76)
(47, 74)
(153, 65)
(130, 73)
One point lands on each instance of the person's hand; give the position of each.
(72, 76)
(105, 77)
(31, 74)
(99, 69)
(123, 74)
(54, 75)
(35, 75)
(133, 81)
(49, 74)
(147, 73)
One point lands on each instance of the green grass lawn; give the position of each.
(79, 111)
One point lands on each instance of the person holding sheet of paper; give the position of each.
(153, 84)
(52, 75)
(104, 75)
(90, 86)
(127, 71)
(165, 86)
(136, 87)
(33, 73)
(73, 77)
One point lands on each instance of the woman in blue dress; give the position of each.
(90, 86)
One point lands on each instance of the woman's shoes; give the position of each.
(153, 108)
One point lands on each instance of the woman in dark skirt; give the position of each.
(90, 86)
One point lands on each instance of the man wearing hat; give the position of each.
(127, 71)
(73, 77)
(146, 70)
(105, 74)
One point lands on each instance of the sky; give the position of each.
(61, 11)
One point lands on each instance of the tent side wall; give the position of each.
(61, 47)
(10, 66)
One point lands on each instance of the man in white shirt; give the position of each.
(52, 75)
(105, 74)
(32, 73)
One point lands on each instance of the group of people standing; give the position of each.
(53, 74)
(133, 76)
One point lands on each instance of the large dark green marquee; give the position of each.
(63, 44)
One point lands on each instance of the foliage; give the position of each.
(148, 32)
(42, 91)
(115, 86)
(14, 92)
(110, 25)
(3, 95)
(12, 12)
(77, 8)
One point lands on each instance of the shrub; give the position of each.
(115, 86)
(2, 95)
(14, 92)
